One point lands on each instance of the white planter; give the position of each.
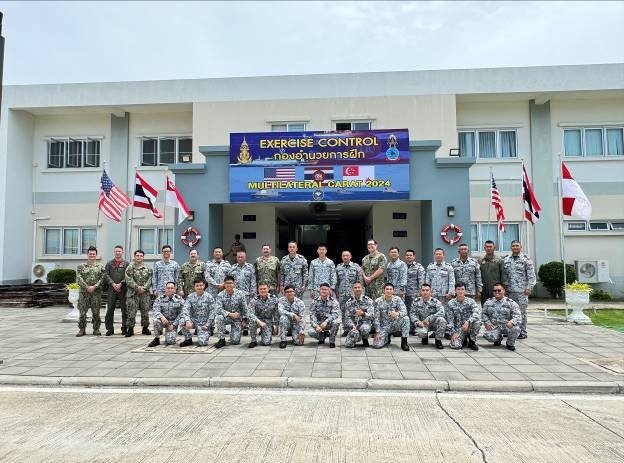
(577, 301)
(72, 297)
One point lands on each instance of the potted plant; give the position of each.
(73, 291)
(577, 297)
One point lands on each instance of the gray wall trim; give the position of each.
(424, 145)
(215, 150)
(463, 163)
(195, 168)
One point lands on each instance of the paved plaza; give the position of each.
(36, 348)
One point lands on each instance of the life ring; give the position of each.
(451, 228)
(191, 237)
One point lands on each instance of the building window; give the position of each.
(73, 152)
(162, 151)
(354, 125)
(151, 240)
(488, 144)
(577, 226)
(483, 231)
(69, 241)
(288, 127)
(598, 225)
(593, 141)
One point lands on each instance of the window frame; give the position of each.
(612, 225)
(476, 148)
(82, 250)
(289, 126)
(177, 155)
(351, 122)
(604, 139)
(80, 159)
(157, 239)
(476, 227)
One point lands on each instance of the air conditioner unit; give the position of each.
(592, 271)
(40, 270)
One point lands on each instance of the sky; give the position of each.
(62, 42)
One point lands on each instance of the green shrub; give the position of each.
(600, 295)
(551, 276)
(62, 275)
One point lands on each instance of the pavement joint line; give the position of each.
(592, 419)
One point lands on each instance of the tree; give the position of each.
(551, 276)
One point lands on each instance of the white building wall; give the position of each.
(264, 227)
(383, 225)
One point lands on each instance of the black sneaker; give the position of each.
(109, 333)
(129, 332)
(146, 331)
(424, 341)
(155, 342)
(439, 344)
(511, 348)
(220, 344)
(365, 343)
(473, 345)
(186, 342)
(252, 344)
(522, 336)
(282, 345)
(332, 345)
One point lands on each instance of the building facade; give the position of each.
(463, 125)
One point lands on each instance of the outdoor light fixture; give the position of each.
(454, 152)
(450, 211)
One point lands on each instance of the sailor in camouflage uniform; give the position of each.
(199, 312)
(262, 312)
(501, 316)
(268, 269)
(324, 316)
(390, 316)
(216, 270)
(233, 309)
(291, 310)
(360, 312)
(139, 282)
(322, 270)
(427, 315)
(164, 270)
(441, 276)
(492, 270)
(468, 271)
(167, 314)
(189, 272)
(347, 273)
(396, 272)
(115, 276)
(294, 270)
(415, 278)
(244, 275)
(520, 274)
(465, 319)
(90, 277)
(374, 266)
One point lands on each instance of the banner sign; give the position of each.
(319, 166)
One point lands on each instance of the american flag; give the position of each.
(497, 203)
(112, 200)
(279, 173)
(531, 206)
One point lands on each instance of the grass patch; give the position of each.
(609, 318)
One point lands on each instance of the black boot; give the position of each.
(282, 345)
(510, 347)
(424, 341)
(129, 332)
(498, 343)
(465, 342)
(344, 334)
(365, 342)
(220, 344)
(186, 342)
(109, 332)
(473, 345)
(439, 344)
(155, 342)
(404, 344)
(332, 345)
(124, 330)
(252, 344)
(146, 331)
(321, 337)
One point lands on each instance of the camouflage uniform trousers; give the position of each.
(473, 332)
(171, 330)
(437, 326)
(496, 334)
(236, 328)
(266, 333)
(88, 301)
(400, 324)
(523, 301)
(375, 289)
(447, 314)
(331, 327)
(143, 303)
(113, 297)
(343, 312)
(357, 334)
(203, 334)
(287, 324)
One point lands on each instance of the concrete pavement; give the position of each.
(557, 357)
(248, 425)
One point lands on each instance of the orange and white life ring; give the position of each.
(191, 237)
(451, 228)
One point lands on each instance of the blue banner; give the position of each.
(319, 166)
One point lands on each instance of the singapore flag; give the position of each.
(574, 201)
(358, 172)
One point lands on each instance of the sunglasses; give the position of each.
(497, 290)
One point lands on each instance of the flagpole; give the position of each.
(164, 213)
(490, 205)
(561, 234)
(97, 219)
(525, 225)
(131, 219)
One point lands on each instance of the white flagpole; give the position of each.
(164, 215)
(131, 219)
(490, 201)
(524, 221)
(561, 231)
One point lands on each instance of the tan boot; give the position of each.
(97, 333)
(81, 332)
